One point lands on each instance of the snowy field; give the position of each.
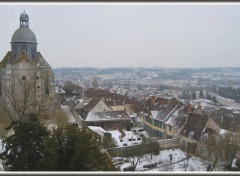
(178, 164)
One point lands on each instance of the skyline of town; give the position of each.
(147, 118)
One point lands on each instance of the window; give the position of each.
(175, 130)
(164, 136)
(160, 124)
(99, 106)
(156, 123)
(149, 120)
(210, 153)
(170, 128)
(24, 78)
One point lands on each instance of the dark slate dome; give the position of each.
(24, 35)
(24, 39)
(24, 16)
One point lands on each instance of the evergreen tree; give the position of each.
(24, 145)
(184, 94)
(108, 141)
(73, 149)
(154, 148)
(201, 94)
(188, 96)
(95, 83)
(194, 95)
(215, 99)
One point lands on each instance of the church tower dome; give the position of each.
(24, 39)
(24, 16)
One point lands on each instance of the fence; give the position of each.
(168, 143)
(164, 144)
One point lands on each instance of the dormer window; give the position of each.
(204, 137)
(190, 134)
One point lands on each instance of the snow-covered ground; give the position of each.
(178, 164)
(129, 139)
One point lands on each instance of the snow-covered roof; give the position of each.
(98, 130)
(195, 123)
(154, 114)
(107, 116)
(223, 132)
(59, 90)
(177, 119)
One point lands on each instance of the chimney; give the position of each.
(153, 100)
(199, 106)
(189, 108)
(115, 92)
(145, 100)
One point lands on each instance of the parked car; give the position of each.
(150, 165)
(130, 168)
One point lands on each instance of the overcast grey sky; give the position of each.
(126, 35)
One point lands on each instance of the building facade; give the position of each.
(27, 81)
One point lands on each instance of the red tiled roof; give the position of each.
(91, 104)
(195, 123)
(92, 92)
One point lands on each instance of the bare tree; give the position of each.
(43, 105)
(135, 155)
(185, 163)
(153, 147)
(70, 87)
(230, 149)
(20, 99)
(215, 148)
(222, 149)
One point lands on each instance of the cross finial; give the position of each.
(24, 10)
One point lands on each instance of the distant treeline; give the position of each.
(230, 92)
(181, 71)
